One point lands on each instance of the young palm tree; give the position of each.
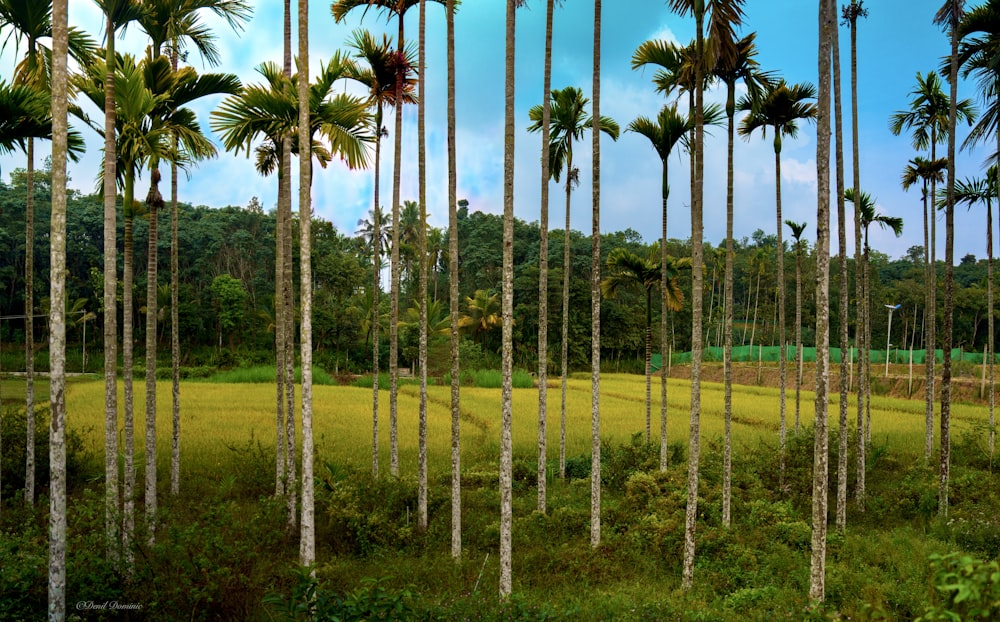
(380, 78)
(569, 120)
(57, 321)
(31, 21)
(664, 133)
(927, 172)
(798, 228)
(781, 107)
(970, 192)
(927, 118)
(949, 16)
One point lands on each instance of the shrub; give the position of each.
(966, 589)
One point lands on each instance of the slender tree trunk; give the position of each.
(949, 274)
(394, 281)
(543, 267)
(112, 507)
(288, 303)
(595, 301)
(861, 310)
(664, 353)
(154, 201)
(506, 406)
(844, 284)
(128, 488)
(422, 266)
(781, 303)
(307, 543)
(376, 286)
(727, 348)
(928, 341)
(817, 582)
(279, 330)
(29, 323)
(989, 306)
(57, 322)
(175, 344)
(567, 268)
(798, 332)
(694, 451)
(456, 443)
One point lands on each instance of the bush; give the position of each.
(966, 588)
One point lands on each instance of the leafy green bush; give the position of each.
(310, 601)
(81, 464)
(966, 589)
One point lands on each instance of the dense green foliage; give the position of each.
(234, 246)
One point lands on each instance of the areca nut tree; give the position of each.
(927, 172)
(984, 190)
(57, 321)
(669, 128)
(927, 119)
(627, 269)
(595, 292)
(736, 62)
(798, 228)
(397, 9)
(177, 24)
(30, 21)
(781, 107)
(379, 76)
(456, 440)
(569, 121)
(949, 16)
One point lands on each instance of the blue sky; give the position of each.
(895, 41)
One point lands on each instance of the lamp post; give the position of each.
(888, 333)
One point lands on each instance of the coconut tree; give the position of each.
(798, 228)
(949, 16)
(971, 192)
(30, 22)
(380, 77)
(568, 123)
(664, 133)
(57, 321)
(781, 107)
(927, 119)
(927, 172)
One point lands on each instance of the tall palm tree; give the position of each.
(927, 172)
(817, 574)
(927, 118)
(483, 313)
(456, 441)
(397, 9)
(850, 14)
(569, 120)
(736, 62)
(506, 391)
(627, 269)
(31, 21)
(595, 292)
(380, 78)
(543, 265)
(949, 16)
(970, 192)
(664, 133)
(781, 107)
(798, 228)
(57, 321)
(117, 15)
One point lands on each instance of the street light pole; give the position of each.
(888, 334)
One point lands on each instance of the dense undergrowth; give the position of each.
(223, 551)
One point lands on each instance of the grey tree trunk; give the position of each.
(175, 344)
(543, 265)
(595, 301)
(506, 392)
(844, 284)
(422, 266)
(727, 347)
(288, 301)
(798, 333)
(307, 541)
(664, 353)
(694, 450)
(564, 366)
(128, 488)
(112, 507)
(781, 303)
(394, 279)
(817, 575)
(57, 321)
(456, 442)
(29, 331)
(930, 312)
(376, 286)
(153, 203)
(861, 311)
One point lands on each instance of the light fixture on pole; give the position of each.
(888, 333)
